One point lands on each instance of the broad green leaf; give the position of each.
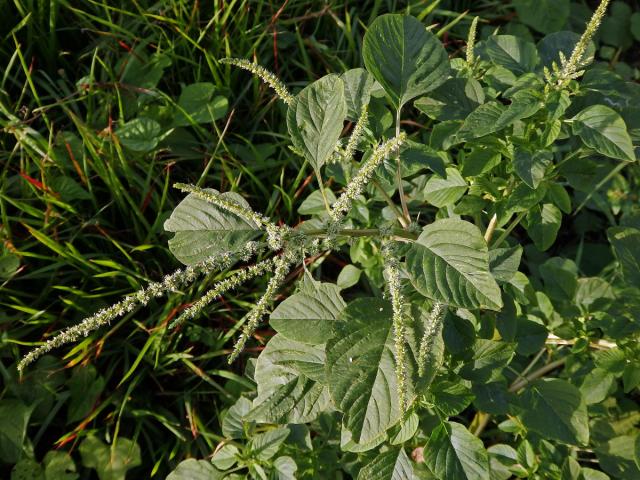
(451, 397)
(358, 84)
(68, 189)
(265, 445)
(560, 276)
(441, 192)
(140, 70)
(482, 121)
(348, 277)
(314, 203)
(617, 457)
(556, 410)
(453, 453)
(531, 166)
(233, 423)
(140, 134)
(59, 465)
(290, 377)
(596, 385)
(563, 42)
(225, 457)
(203, 229)
(308, 315)
(9, 264)
(198, 104)
(524, 104)
(542, 224)
(408, 428)
(504, 262)
(110, 463)
(193, 469)
(416, 156)
(404, 57)
(545, 16)
(626, 246)
(361, 367)
(602, 129)
(14, 419)
(480, 160)
(449, 263)
(315, 119)
(391, 465)
(285, 468)
(27, 469)
(514, 53)
(455, 99)
(489, 358)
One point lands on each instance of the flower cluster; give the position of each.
(432, 328)
(265, 75)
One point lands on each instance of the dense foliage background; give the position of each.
(93, 97)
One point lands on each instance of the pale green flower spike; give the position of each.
(570, 68)
(433, 325)
(471, 42)
(398, 306)
(282, 266)
(349, 151)
(265, 75)
(223, 286)
(169, 283)
(358, 183)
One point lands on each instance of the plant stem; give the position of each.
(509, 229)
(392, 205)
(324, 196)
(403, 201)
(364, 232)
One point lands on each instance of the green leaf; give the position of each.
(225, 457)
(314, 203)
(514, 53)
(199, 105)
(140, 134)
(531, 166)
(504, 262)
(449, 263)
(404, 57)
(59, 465)
(9, 264)
(441, 192)
(193, 469)
(480, 160)
(524, 104)
(285, 468)
(290, 377)
(416, 156)
(361, 370)
(407, 430)
(233, 423)
(204, 229)
(391, 465)
(315, 119)
(451, 398)
(617, 457)
(110, 462)
(358, 84)
(68, 189)
(348, 277)
(556, 410)
(596, 385)
(602, 129)
(265, 445)
(308, 316)
(635, 25)
(626, 246)
(542, 224)
(489, 358)
(14, 419)
(453, 453)
(85, 387)
(27, 469)
(455, 99)
(545, 16)
(482, 121)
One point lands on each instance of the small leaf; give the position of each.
(563, 42)
(85, 387)
(602, 129)
(555, 409)
(482, 121)
(514, 53)
(390, 465)
(140, 134)
(479, 161)
(451, 398)
(193, 469)
(404, 57)
(542, 224)
(408, 429)
(489, 358)
(348, 277)
(59, 465)
(233, 423)
(441, 192)
(453, 453)
(545, 16)
(455, 99)
(14, 419)
(315, 118)
(203, 229)
(449, 263)
(308, 316)
(531, 166)
(285, 468)
(199, 105)
(110, 463)
(265, 445)
(314, 203)
(504, 262)
(225, 457)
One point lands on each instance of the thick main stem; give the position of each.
(403, 200)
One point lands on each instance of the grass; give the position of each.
(83, 213)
